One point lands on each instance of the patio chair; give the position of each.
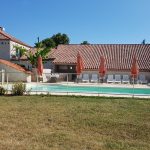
(85, 78)
(117, 78)
(142, 79)
(110, 79)
(125, 79)
(94, 78)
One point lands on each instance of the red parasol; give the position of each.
(134, 68)
(79, 66)
(102, 68)
(40, 66)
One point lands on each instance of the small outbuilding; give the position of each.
(14, 72)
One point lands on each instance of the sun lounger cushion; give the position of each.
(117, 78)
(85, 78)
(142, 79)
(110, 79)
(125, 79)
(94, 78)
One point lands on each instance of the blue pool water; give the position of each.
(88, 89)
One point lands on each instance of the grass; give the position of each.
(64, 123)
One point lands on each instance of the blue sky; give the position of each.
(97, 21)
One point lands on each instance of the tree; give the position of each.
(85, 43)
(144, 41)
(53, 41)
(33, 57)
(60, 39)
(20, 51)
(46, 43)
(38, 44)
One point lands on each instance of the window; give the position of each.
(63, 67)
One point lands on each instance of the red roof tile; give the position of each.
(118, 56)
(15, 66)
(6, 36)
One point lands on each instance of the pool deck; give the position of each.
(96, 84)
(106, 85)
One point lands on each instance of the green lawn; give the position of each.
(64, 123)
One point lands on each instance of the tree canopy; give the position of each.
(60, 39)
(20, 51)
(33, 57)
(54, 41)
(143, 42)
(85, 43)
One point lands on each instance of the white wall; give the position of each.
(13, 50)
(5, 49)
(47, 65)
(15, 75)
(26, 63)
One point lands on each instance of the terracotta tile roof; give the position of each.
(6, 36)
(15, 66)
(118, 56)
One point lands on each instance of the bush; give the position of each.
(2, 90)
(18, 89)
(53, 80)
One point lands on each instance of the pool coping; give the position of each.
(95, 84)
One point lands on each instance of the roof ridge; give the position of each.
(101, 44)
(13, 65)
(13, 38)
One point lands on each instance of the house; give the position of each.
(118, 57)
(8, 51)
(14, 72)
(7, 43)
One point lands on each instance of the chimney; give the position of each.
(1, 29)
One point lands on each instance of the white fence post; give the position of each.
(3, 76)
(7, 83)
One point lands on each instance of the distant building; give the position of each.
(118, 57)
(14, 72)
(7, 43)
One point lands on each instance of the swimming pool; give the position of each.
(87, 89)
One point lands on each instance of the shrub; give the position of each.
(2, 90)
(53, 80)
(18, 89)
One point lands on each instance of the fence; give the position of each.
(2, 76)
(73, 84)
